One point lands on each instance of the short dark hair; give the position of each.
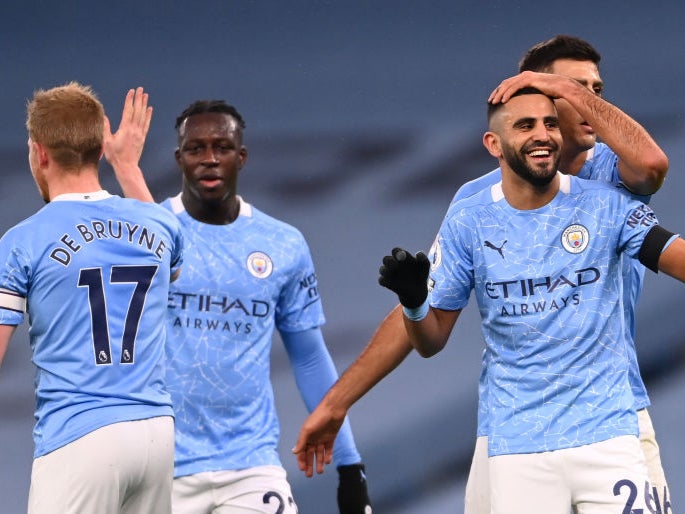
(204, 106)
(493, 108)
(541, 57)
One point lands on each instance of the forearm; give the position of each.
(642, 163)
(429, 335)
(6, 332)
(132, 181)
(386, 350)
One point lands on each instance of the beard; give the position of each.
(536, 176)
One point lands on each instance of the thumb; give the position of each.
(107, 128)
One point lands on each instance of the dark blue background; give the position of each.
(363, 118)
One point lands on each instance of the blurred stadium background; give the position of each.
(363, 118)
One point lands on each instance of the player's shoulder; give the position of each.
(269, 222)
(603, 151)
(478, 184)
(148, 210)
(583, 185)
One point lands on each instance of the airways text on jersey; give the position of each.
(134, 234)
(526, 288)
(199, 311)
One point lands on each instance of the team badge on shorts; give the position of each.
(575, 238)
(259, 264)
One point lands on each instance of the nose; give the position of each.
(541, 133)
(209, 157)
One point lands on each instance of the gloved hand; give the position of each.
(406, 275)
(353, 495)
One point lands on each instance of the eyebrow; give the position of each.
(596, 83)
(532, 120)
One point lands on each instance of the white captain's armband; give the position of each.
(12, 301)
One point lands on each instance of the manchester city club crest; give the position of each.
(575, 238)
(259, 264)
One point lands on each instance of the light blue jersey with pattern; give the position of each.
(240, 282)
(602, 165)
(549, 288)
(94, 270)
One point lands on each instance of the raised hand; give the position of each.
(406, 275)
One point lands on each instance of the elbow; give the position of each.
(428, 350)
(648, 177)
(656, 168)
(426, 353)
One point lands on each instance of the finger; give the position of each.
(320, 455)
(399, 255)
(140, 106)
(106, 128)
(127, 112)
(148, 119)
(329, 452)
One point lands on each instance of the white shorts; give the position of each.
(655, 470)
(477, 494)
(262, 489)
(122, 468)
(600, 478)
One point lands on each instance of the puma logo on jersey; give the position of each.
(498, 248)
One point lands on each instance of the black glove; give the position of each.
(406, 275)
(353, 496)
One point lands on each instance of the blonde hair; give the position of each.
(68, 120)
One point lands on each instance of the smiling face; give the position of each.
(210, 154)
(524, 135)
(577, 133)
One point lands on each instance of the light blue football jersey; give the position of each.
(94, 270)
(602, 165)
(549, 288)
(239, 282)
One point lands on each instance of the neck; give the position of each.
(523, 195)
(62, 182)
(221, 212)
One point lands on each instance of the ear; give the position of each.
(491, 142)
(242, 156)
(42, 153)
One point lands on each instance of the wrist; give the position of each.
(416, 313)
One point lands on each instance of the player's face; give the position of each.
(210, 155)
(577, 133)
(530, 138)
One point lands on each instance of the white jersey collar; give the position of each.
(564, 187)
(177, 206)
(87, 197)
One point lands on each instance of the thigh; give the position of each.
(655, 470)
(477, 495)
(61, 482)
(97, 472)
(609, 476)
(262, 489)
(531, 483)
(193, 494)
(149, 487)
